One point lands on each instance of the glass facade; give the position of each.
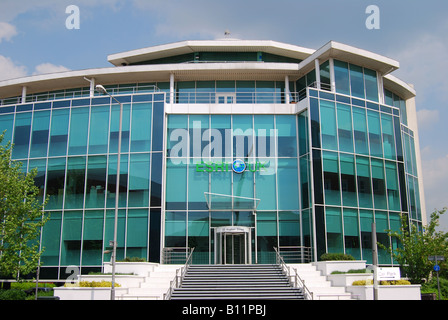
(73, 144)
(316, 178)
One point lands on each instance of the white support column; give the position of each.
(379, 77)
(23, 94)
(317, 67)
(332, 78)
(92, 87)
(287, 91)
(171, 88)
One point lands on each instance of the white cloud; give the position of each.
(49, 68)
(9, 70)
(7, 31)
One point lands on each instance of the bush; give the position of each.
(12, 294)
(383, 283)
(93, 284)
(336, 257)
(133, 259)
(431, 287)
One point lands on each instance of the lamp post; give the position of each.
(102, 90)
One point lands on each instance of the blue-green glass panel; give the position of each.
(175, 229)
(59, 132)
(264, 135)
(265, 92)
(242, 136)
(345, 131)
(348, 180)
(39, 134)
(198, 183)
(387, 127)
(379, 184)
(303, 133)
(366, 220)
(371, 84)
(22, 135)
(115, 125)
(356, 81)
(305, 183)
(287, 182)
(99, 128)
(137, 233)
(351, 233)
(199, 136)
(266, 224)
(78, 131)
(265, 186)
(177, 136)
(141, 127)
(221, 137)
(328, 125)
(74, 188)
(393, 193)
(334, 229)
(39, 179)
(112, 181)
(6, 123)
(71, 238)
(93, 237)
(96, 182)
(287, 137)
(176, 183)
(51, 239)
(341, 76)
(243, 184)
(109, 232)
(360, 131)
(375, 139)
(198, 224)
(364, 182)
(186, 91)
(139, 180)
(331, 178)
(289, 228)
(55, 182)
(245, 91)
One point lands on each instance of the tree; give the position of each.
(21, 217)
(416, 246)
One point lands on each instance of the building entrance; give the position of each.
(233, 245)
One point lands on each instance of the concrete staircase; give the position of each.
(153, 285)
(206, 282)
(317, 283)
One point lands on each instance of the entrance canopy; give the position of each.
(224, 202)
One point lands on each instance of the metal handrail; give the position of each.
(177, 281)
(298, 282)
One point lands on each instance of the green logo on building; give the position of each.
(237, 166)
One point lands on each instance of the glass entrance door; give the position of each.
(233, 245)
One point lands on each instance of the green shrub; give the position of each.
(352, 271)
(431, 287)
(336, 257)
(369, 282)
(133, 259)
(93, 284)
(12, 294)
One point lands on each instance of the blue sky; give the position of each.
(34, 39)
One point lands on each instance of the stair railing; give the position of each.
(295, 279)
(177, 281)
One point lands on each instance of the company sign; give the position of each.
(237, 166)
